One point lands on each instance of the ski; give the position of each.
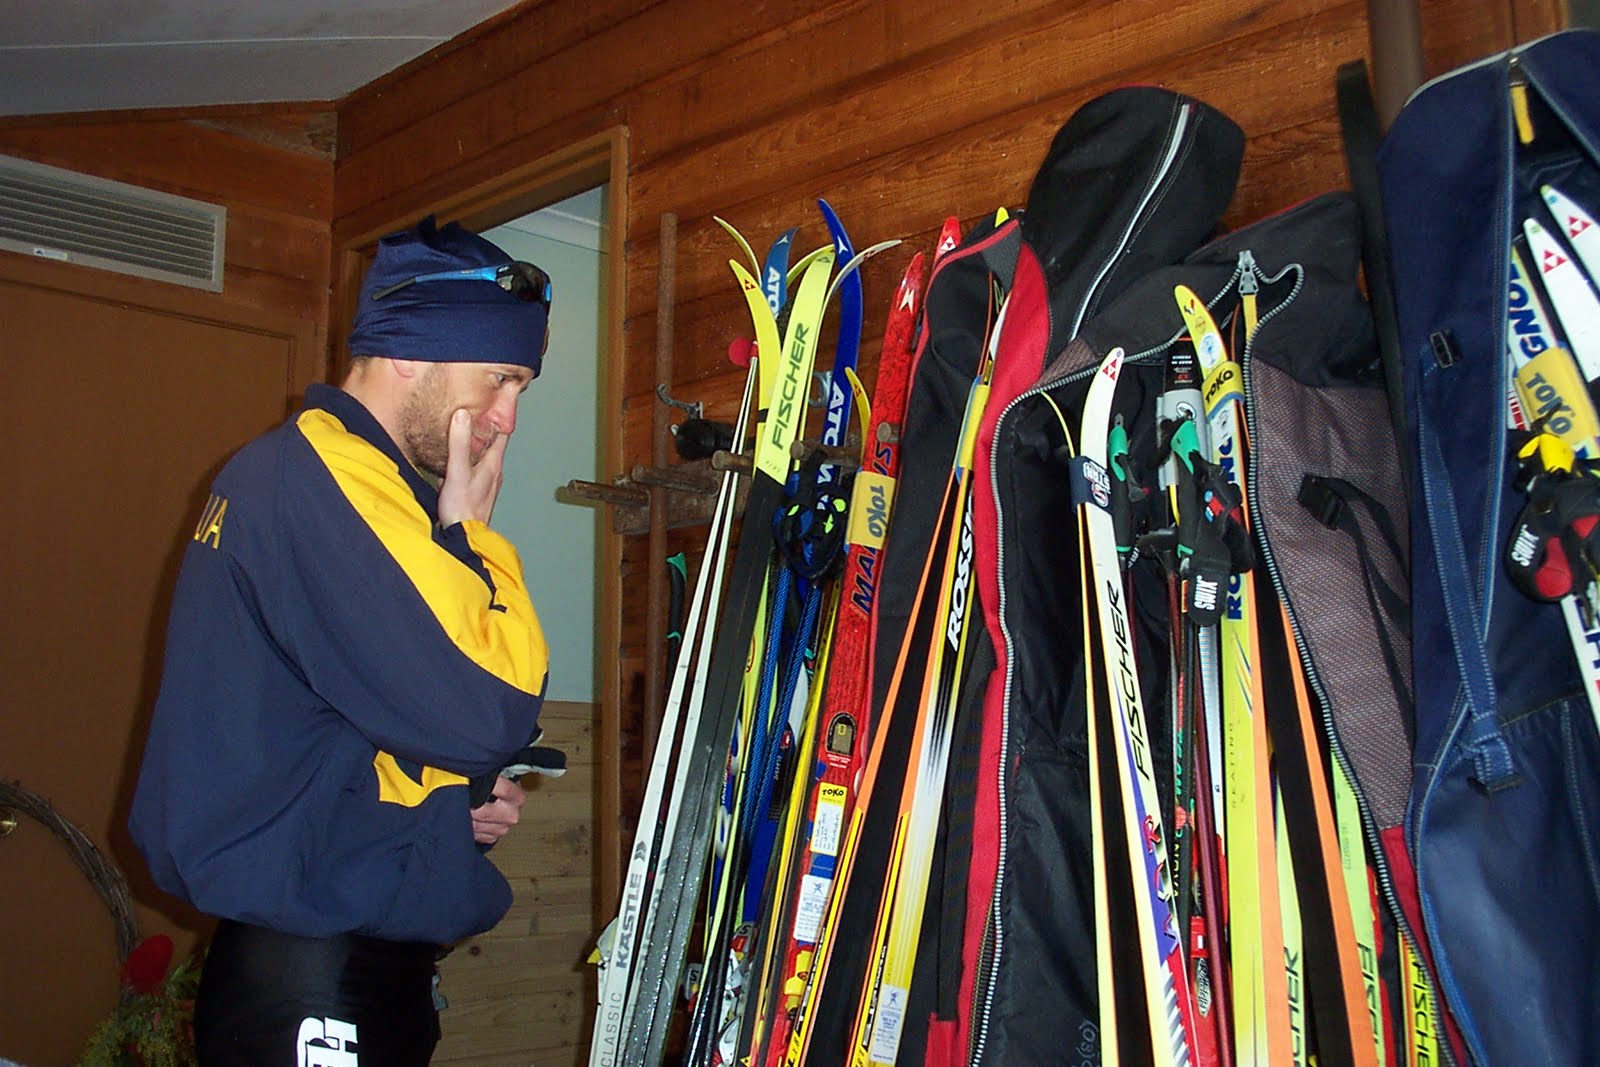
(846, 715)
(1358, 893)
(617, 964)
(775, 273)
(1165, 976)
(1293, 937)
(847, 344)
(1105, 987)
(766, 328)
(667, 923)
(1577, 225)
(739, 239)
(1574, 301)
(881, 1014)
(1260, 993)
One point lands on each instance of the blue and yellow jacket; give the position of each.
(337, 668)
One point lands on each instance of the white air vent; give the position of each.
(60, 214)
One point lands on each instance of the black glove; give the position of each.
(532, 758)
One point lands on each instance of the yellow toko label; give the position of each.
(870, 504)
(1550, 387)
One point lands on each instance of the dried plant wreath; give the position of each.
(151, 1025)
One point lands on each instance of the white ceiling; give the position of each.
(100, 55)
(578, 220)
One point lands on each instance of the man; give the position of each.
(352, 658)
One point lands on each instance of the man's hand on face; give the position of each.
(470, 489)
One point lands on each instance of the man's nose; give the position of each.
(503, 415)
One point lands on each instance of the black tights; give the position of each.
(275, 1000)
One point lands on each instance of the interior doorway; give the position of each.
(557, 437)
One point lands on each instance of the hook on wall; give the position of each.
(695, 409)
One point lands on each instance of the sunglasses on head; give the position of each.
(522, 280)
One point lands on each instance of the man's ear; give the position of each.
(406, 368)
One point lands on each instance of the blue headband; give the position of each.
(404, 315)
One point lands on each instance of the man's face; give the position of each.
(489, 391)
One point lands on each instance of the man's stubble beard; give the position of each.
(425, 423)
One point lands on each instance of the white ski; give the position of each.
(1578, 226)
(1165, 977)
(620, 939)
(1576, 305)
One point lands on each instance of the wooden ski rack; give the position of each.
(690, 488)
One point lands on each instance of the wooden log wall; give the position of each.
(898, 113)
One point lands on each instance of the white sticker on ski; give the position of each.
(1578, 226)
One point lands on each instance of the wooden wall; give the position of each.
(523, 992)
(898, 113)
(272, 168)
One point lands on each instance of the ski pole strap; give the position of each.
(1358, 122)
(1492, 765)
(1331, 501)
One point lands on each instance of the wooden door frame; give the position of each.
(600, 159)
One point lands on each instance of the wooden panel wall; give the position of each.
(523, 992)
(272, 168)
(899, 113)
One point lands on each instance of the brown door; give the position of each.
(118, 402)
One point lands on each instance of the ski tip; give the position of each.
(910, 285)
(1111, 366)
(747, 280)
(740, 349)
